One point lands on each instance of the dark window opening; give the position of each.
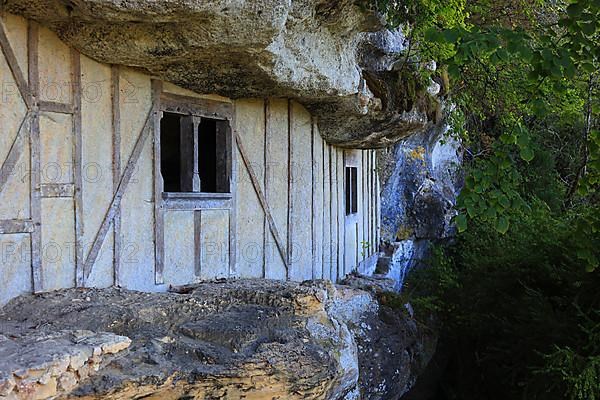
(351, 190)
(170, 154)
(207, 154)
(194, 154)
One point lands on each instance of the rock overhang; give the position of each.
(334, 57)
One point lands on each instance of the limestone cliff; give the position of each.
(335, 57)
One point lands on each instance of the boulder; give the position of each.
(250, 339)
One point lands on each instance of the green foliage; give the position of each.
(517, 294)
(519, 314)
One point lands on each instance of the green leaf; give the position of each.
(588, 67)
(527, 154)
(461, 223)
(450, 35)
(504, 201)
(589, 28)
(502, 225)
(575, 9)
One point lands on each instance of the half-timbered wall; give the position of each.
(81, 199)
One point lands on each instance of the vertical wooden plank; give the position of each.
(223, 160)
(250, 137)
(290, 230)
(326, 212)
(116, 170)
(276, 172)
(363, 210)
(77, 164)
(266, 175)
(212, 244)
(333, 212)
(373, 199)
(198, 243)
(159, 217)
(318, 213)
(367, 195)
(341, 212)
(313, 207)
(302, 191)
(34, 143)
(233, 184)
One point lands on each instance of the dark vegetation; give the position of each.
(517, 294)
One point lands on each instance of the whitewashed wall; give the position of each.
(78, 195)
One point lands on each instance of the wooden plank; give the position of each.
(34, 144)
(313, 208)
(367, 198)
(57, 190)
(326, 213)
(118, 196)
(371, 202)
(55, 107)
(339, 157)
(14, 226)
(290, 230)
(77, 165)
(159, 214)
(116, 168)
(190, 203)
(266, 175)
(13, 65)
(318, 209)
(233, 208)
(262, 200)
(33, 39)
(333, 230)
(198, 243)
(195, 106)
(15, 152)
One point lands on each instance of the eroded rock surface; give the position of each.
(251, 339)
(334, 57)
(421, 179)
(40, 365)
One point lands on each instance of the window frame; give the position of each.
(350, 195)
(198, 108)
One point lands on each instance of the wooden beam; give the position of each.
(198, 243)
(266, 151)
(13, 65)
(290, 214)
(77, 165)
(313, 208)
(14, 226)
(118, 196)
(262, 200)
(116, 168)
(159, 215)
(332, 217)
(16, 149)
(232, 156)
(195, 106)
(35, 161)
(52, 106)
(57, 190)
